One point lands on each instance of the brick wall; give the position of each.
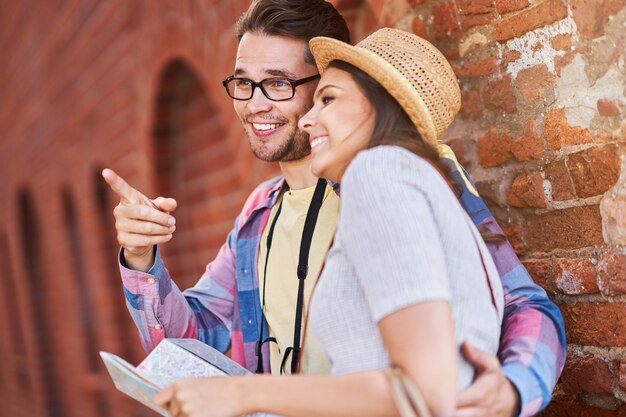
(135, 86)
(86, 84)
(542, 132)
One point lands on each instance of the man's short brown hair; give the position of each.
(299, 19)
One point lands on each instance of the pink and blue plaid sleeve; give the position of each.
(204, 312)
(532, 347)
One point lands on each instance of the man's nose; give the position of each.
(259, 103)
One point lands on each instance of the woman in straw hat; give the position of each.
(408, 278)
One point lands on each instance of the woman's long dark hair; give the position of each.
(393, 126)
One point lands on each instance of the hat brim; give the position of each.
(325, 50)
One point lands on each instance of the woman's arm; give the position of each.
(426, 353)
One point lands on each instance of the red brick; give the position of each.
(562, 185)
(510, 56)
(575, 276)
(562, 61)
(527, 191)
(506, 6)
(414, 2)
(417, 26)
(613, 217)
(480, 68)
(590, 17)
(475, 12)
(498, 94)
(561, 42)
(595, 324)
(536, 83)
(586, 374)
(445, 24)
(608, 108)
(573, 408)
(594, 171)
(571, 228)
(528, 146)
(544, 13)
(612, 274)
(513, 233)
(494, 148)
(471, 104)
(541, 271)
(559, 133)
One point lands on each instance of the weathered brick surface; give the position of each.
(595, 324)
(590, 17)
(594, 171)
(498, 94)
(586, 374)
(479, 68)
(562, 185)
(608, 107)
(544, 13)
(541, 271)
(612, 274)
(445, 23)
(622, 374)
(561, 42)
(576, 276)
(559, 133)
(475, 12)
(527, 191)
(506, 6)
(494, 148)
(529, 145)
(471, 104)
(572, 228)
(573, 408)
(536, 83)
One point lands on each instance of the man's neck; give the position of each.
(298, 173)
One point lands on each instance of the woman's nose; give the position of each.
(306, 122)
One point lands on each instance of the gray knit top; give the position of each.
(402, 239)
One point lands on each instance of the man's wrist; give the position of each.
(141, 263)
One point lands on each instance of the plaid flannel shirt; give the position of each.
(224, 311)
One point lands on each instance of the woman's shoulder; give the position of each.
(387, 163)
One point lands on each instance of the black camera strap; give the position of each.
(302, 272)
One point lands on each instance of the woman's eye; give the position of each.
(327, 99)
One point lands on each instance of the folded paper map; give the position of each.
(172, 359)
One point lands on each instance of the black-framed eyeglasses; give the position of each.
(275, 88)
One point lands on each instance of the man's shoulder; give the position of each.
(260, 197)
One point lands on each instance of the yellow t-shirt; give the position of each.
(282, 282)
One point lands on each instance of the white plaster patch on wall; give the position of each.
(542, 36)
(579, 98)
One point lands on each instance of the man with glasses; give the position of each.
(252, 299)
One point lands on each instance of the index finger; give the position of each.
(119, 186)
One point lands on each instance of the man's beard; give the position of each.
(296, 147)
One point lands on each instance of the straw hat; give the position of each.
(411, 69)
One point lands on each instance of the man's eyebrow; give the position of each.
(273, 72)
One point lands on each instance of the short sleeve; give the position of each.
(389, 232)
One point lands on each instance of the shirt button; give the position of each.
(150, 280)
(158, 326)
